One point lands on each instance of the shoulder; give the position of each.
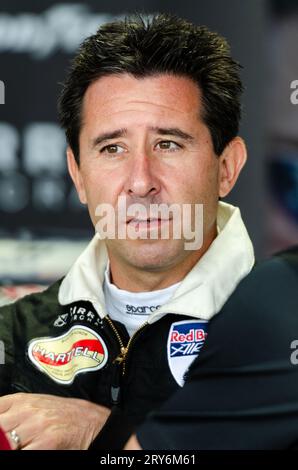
(33, 302)
(269, 291)
(24, 315)
(260, 319)
(281, 269)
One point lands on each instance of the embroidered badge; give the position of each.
(185, 341)
(79, 350)
(61, 320)
(79, 312)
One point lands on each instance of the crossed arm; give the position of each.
(51, 422)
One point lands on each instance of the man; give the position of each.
(241, 392)
(151, 112)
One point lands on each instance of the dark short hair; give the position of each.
(148, 46)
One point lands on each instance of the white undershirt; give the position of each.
(133, 308)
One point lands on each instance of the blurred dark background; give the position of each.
(42, 225)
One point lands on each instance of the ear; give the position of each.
(76, 176)
(231, 162)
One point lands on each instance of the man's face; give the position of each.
(144, 139)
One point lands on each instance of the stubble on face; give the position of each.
(143, 174)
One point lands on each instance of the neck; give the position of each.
(135, 279)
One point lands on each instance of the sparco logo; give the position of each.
(141, 310)
(61, 27)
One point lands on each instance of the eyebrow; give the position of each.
(173, 131)
(108, 136)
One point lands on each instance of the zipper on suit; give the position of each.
(119, 362)
(19, 388)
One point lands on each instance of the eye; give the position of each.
(112, 149)
(168, 145)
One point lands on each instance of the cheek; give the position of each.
(198, 180)
(101, 187)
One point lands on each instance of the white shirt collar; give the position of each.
(202, 292)
(133, 308)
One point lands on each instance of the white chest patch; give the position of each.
(186, 339)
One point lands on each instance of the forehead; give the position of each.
(113, 96)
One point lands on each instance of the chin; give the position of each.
(154, 255)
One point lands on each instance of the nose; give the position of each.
(142, 180)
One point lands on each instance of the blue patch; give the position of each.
(187, 338)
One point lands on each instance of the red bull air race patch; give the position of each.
(186, 339)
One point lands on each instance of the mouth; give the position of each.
(147, 223)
